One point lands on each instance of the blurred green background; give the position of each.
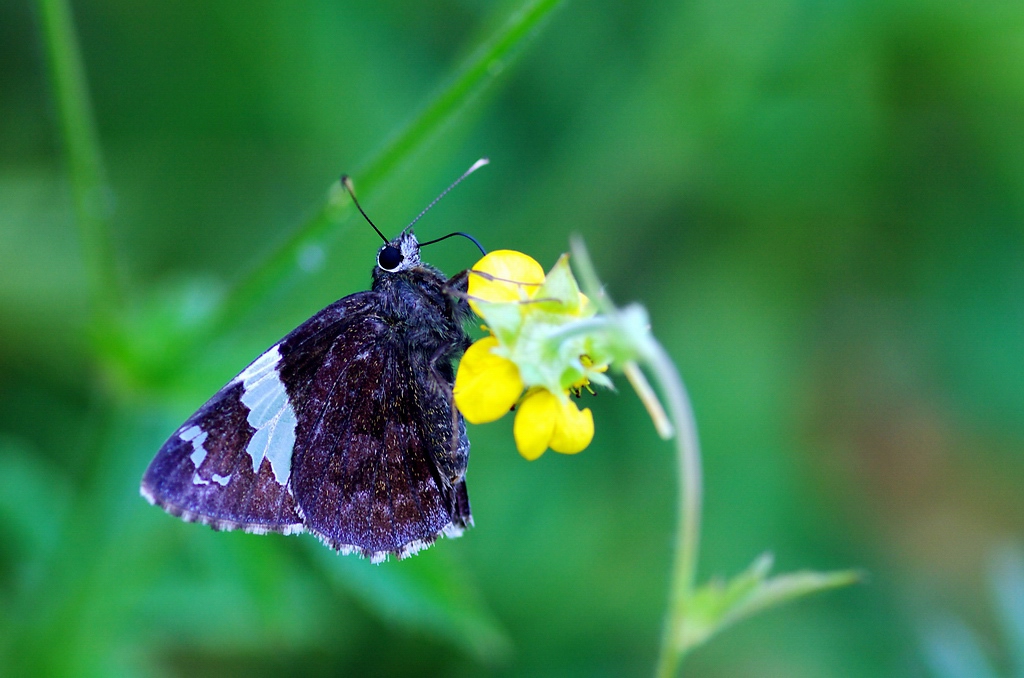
(820, 203)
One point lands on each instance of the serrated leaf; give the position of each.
(719, 604)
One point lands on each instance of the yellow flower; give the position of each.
(486, 385)
(546, 420)
(533, 347)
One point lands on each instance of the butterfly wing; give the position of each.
(229, 464)
(380, 461)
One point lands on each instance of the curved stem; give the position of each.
(688, 466)
(688, 507)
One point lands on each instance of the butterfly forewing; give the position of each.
(229, 464)
(204, 473)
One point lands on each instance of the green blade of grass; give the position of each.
(480, 70)
(85, 162)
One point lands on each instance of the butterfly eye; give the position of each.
(389, 258)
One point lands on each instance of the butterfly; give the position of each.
(346, 428)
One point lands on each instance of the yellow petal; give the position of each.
(573, 429)
(507, 276)
(535, 423)
(486, 385)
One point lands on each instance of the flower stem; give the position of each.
(688, 507)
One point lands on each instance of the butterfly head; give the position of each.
(400, 254)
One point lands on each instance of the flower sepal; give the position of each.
(560, 293)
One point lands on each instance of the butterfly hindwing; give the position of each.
(380, 460)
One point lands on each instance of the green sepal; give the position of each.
(560, 293)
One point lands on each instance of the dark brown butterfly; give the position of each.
(346, 428)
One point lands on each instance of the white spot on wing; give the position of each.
(198, 455)
(221, 480)
(191, 433)
(260, 366)
(270, 413)
(197, 437)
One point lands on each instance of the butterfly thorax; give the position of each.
(424, 312)
(420, 305)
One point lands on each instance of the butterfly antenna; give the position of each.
(464, 235)
(347, 183)
(476, 165)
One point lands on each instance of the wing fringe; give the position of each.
(452, 530)
(218, 524)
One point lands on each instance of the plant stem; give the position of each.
(688, 507)
(85, 163)
(688, 466)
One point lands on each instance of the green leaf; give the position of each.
(718, 604)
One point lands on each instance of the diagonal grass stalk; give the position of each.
(85, 162)
(479, 71)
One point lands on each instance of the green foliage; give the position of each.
(818, 204)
